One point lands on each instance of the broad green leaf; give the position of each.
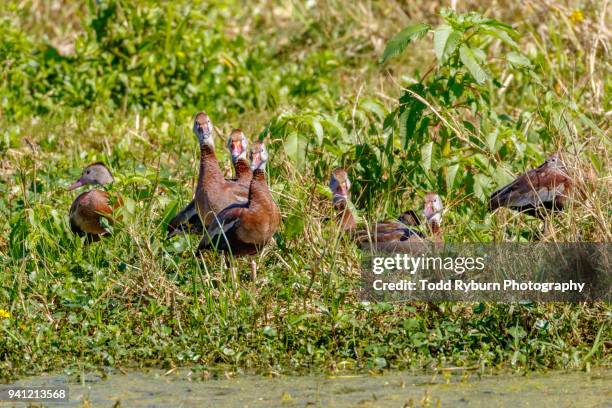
(596, 162)
(389, 121)
(480, 55)
(500, 34)
(518, 60)
(318, 130)
(502, 176)
(129, 205)
(374, 107)
(426, 152)
(355, 212)
(451, 173)
(333, 122)
(469, 60)
(399, 43)
(481, 186)
(295, 148)
(332, 147)
(492, 140)
(498, 24)
(445, 42)
(411, 115)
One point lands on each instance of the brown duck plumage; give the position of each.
(340, 186)
(393, 236)
(237, 145)
(213, 191)
(545, 187)
(87, 209)
(244, 228)
(386, 236)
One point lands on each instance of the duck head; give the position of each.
(237, 145)
(340, 186)
(203, 129)
(96, 173)
(432, 208)
(554, 162)
(258, 156)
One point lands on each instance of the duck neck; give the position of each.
(345, 217)
(210, 172)
(243, 170)
(258, 189)
(434, 226)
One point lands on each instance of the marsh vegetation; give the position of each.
(457, 103)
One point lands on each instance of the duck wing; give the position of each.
(187, 220)
(387, 234)
(86, 211)
(410, 218)
(74, 226)
(542, 186)
(221, 232)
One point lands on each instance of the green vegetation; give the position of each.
(457, 103)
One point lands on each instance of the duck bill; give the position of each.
(256, 163)
(236, 150)
(428, 211)
(337, 198)
(340, 194)
(76, 184)
(344, 189)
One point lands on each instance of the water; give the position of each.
(154, 388)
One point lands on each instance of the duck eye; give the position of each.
(88, 171)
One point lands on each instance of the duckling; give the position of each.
(245, 228)
(546, 187)
(87, 209)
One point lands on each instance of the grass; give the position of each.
(121, 86)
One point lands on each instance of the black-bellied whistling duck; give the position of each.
(237, 145)
(383, 236)
(245, 228)
(90, 206)
(546, 187)
(340, 185)
(432, 211)
(213, 191)
(394, 236)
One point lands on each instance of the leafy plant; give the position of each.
(447, 118)
(306, 77)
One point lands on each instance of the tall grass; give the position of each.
(77, 88)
